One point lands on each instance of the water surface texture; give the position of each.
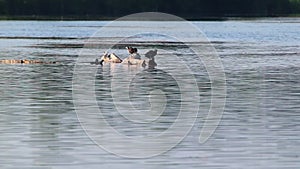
(260, 127)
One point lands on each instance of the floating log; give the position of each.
(24, 61)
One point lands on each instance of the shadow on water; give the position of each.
(51, 102)
(139, 87)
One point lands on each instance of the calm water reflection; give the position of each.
(260, 125)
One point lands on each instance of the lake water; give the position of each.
(39, 127)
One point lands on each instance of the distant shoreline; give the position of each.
(101, 18)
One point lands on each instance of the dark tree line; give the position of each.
(115, 8)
